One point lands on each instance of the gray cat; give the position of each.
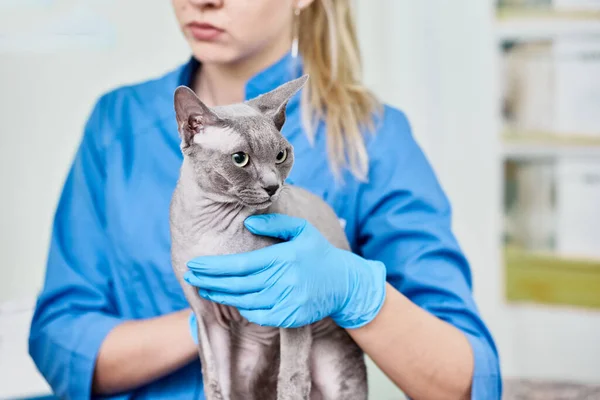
(235, 163)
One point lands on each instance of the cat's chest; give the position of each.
(231, 241)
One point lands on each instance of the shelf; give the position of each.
(544, 145)
(545, 14)
(520, 25)
(550, 279)
(521, 151)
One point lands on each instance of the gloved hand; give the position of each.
(297, 282)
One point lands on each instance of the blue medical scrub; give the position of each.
(109, 259)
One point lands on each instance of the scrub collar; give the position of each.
(282, 71)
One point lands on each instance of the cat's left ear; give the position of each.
(192, 114)
(274, 103)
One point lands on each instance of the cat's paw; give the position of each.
(213, 391)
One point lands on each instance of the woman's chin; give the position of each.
(214, 53)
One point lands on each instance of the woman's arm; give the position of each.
(425, 356)
(138, 352)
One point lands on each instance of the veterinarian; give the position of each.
(112, 320)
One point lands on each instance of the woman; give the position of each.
(112, 320)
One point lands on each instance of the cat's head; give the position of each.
(237, 153)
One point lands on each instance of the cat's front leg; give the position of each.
(255, 361)
(219, 336)
(338, 366)
(294, 380)
(214, 347)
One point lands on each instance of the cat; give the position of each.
(214, 194)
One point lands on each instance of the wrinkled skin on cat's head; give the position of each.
(237, 152)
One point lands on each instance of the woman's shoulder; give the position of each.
(391, 131)
(116, 111)
(143, 92)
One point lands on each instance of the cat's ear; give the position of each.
(274, 103)
(192, 114)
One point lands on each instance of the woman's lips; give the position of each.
(204, 31)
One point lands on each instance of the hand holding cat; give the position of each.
(294, 283)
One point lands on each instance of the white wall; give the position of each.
(437, 60)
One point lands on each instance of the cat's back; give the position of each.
(299, 202)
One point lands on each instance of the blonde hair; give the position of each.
(334, 93)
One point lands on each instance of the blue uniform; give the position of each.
(109, 258)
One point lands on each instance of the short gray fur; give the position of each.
(213, 197)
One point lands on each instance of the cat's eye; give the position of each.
(240, 159)
(281, 156)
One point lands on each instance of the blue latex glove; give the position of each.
(297, 282)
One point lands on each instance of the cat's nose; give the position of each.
(271, 189)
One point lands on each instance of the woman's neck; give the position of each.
(222, 84)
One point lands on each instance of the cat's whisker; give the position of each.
(250, 192)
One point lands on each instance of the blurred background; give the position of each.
(503, 96)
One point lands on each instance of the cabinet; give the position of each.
(550, 135)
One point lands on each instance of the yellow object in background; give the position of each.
(545, 278)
